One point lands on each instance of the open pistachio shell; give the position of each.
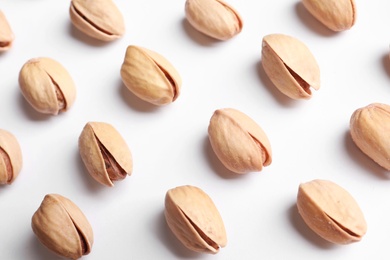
(47, 86)
(238, 141)
(10, 157)
(194, 219)
(290, 66)
(105, 153)
(337, 15)
(100, 19)
(370, 130)
(6, 35)
(214, 18)
(150, 76)
(331, 212)
(62, 227)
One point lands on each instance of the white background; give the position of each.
(170, 146)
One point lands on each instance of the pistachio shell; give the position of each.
(194, 219)
(150, 76)
(105, 153)
(331, 212)
(370, 130)
(290, 66)
(62, 227)
(10, 157)
(100, 19)
(337, 15)
(47, 86)
(6, 34)
(238, 141)
(214, 18)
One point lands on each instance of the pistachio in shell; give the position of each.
(194, 219)
(290, 66)
(105, 153)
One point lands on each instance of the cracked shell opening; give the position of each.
(264, 154)
(170, 79)
(8, 166)
(60, 96)
(114, 170)
(346, 230)
(85, 248)
(83, 17)
(301, 82)
(4, 44)
(205, 238)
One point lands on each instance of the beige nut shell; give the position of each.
(370, 130)
(100, 19)
(290, 65)
(214, 18)
(47, 85)
(331, 212)
(11, 160)
(104, 151)
(150, 76)
(337, 15)
(6, 35)
(61, 226)
(238, 141)
(194, 219)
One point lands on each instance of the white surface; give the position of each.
(170, 145)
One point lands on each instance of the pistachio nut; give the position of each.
(105, 153)
(6, 34)
(337, 15)
(214, 18)
(290, 66)
(47, 86)
(62, 227)
(370, 130)
(150, 76)
(194, 219)
(10, 157)
(238, 141)
(100, 19)
(331, 212)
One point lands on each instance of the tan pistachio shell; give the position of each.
(149, 76)
(337, 15)
(100, 19)
(370, 130)
(6, 35)
(290, 66)
(105, 153)
(11, 160)
(214, 18)
(62, 227)
(331, 212)
(194, 219)
(238, 141)
(47, 86)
